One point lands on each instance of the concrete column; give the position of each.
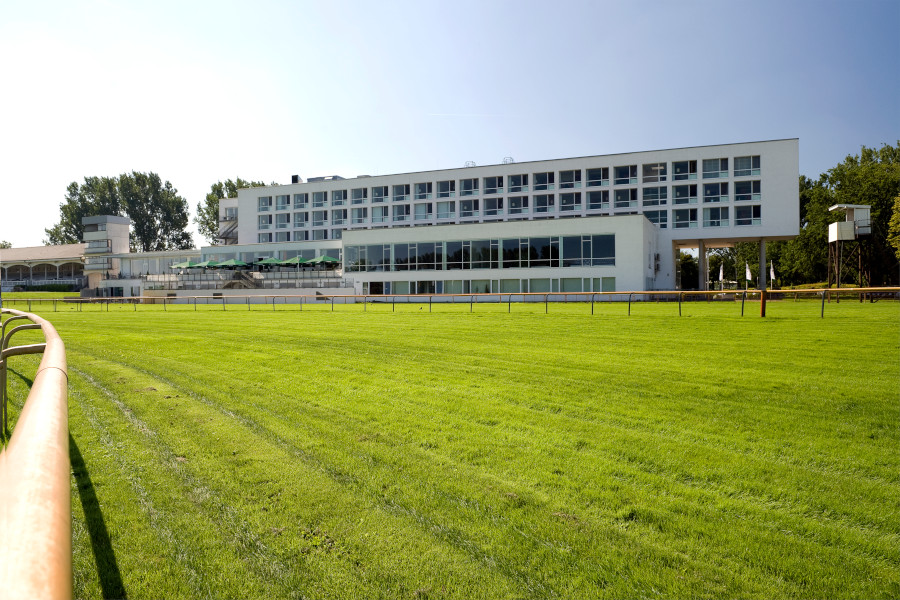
(702, 266)
(763, 269)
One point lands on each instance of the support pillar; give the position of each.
(763, 272)
(703, 267)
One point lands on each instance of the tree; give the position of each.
(894, 227)
(159, 216)
(689, 271)
(207, 218)
(5, 244)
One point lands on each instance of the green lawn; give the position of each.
(350, 454)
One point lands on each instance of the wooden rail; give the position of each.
(35, 505)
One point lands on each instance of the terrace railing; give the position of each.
(35, 505)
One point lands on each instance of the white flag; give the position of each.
(771, 271)
(721, 271)
(748, 277)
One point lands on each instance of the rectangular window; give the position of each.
(401, 212)
(468, 187)
(282, 220)
(458, 254)
(746, 190)
(626, 198)
(598, 200)
(264, 203)
(301, 200)
(282, 236)
(715, 192)
(265, 222)
(655, 196)
(446, 210)
(380, 193)
(569, 179)
(517, 205)
(359, 215)
(446, 189)
(715, 167)
(544, 203)
(684, 218)
(493, 185)
(684, 194)
(300, 236)
(512, 253)
(282, 202)
(655, 172)
(338, 197)
(598, 177)
(320, 218)
(660, 218)
(544, 181)
(518, 183)
(468, 208)
(359, 195)
(401, 193)
(423, 211)
(422, 191)
(379, 214)
(264, 238)
(570, 201)
(715, 216)
(320, 234)
(747, 215)
(685, 169)
(588, 250)
(485, 254)
(301, 219)
(320, 199)
(493, 207)
(231, 213)
(339, 216)
(625, 175)
(746, 166)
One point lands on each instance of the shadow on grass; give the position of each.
(107, 568)
(7, 431)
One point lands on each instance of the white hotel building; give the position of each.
(595, 223)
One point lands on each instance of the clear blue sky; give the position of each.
(204, 91)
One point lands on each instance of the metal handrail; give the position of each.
(35, 504)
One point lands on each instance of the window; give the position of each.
(446, 210)
(570, 201)
(493, 185)
(654, 173)
(320, 199)
(359, 195)
(517, 205)
(468, 208)
(423, 211)
(660, 218)
(359, 215)
(282, 202)
(401, 193)
(282, 220)
(684, 218)
(598, 200)
(265, 221)
(320, 218)
(715, 167)
(715, 216)
(597, 177)
(715, 192)
(446, 189)
(401, 212)
(468, 187)
(264, 238)
(544, 203)
(684, 194)
(746, 190)
(493, 206)
(337, 234)
(685, 169)
(231, 213)
(655, 196)
(544, 181)
(747, 215)
(518, 183)
(588, 250)
(458, 254)
(338, 197)
(300, 236)
(282, 236)
(422, 191)
(512, 253)
(320, 234)
(301, 200)
(626, 198)
(625, 175)
(301, 219)
(379, 193)
(746, 166)
(379, 214)
(569, 179)
(264, 203)
(339, 216)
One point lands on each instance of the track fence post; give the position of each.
(546, 302)
(471, 299)
(822, 314)
(429, 303)
(629, 304)
(365, 303)
(680, 297)
(393, 303)
(743, 299)
(332, 304)
(509, 304)
(592, 303)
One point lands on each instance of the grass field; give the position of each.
(278, 453)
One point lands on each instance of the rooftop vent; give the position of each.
(470, 163)
(296, 179)
(508, 160)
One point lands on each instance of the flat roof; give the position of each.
(43, 253)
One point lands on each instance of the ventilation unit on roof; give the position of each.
(296, 179)
(470, 163)
(508, 160)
